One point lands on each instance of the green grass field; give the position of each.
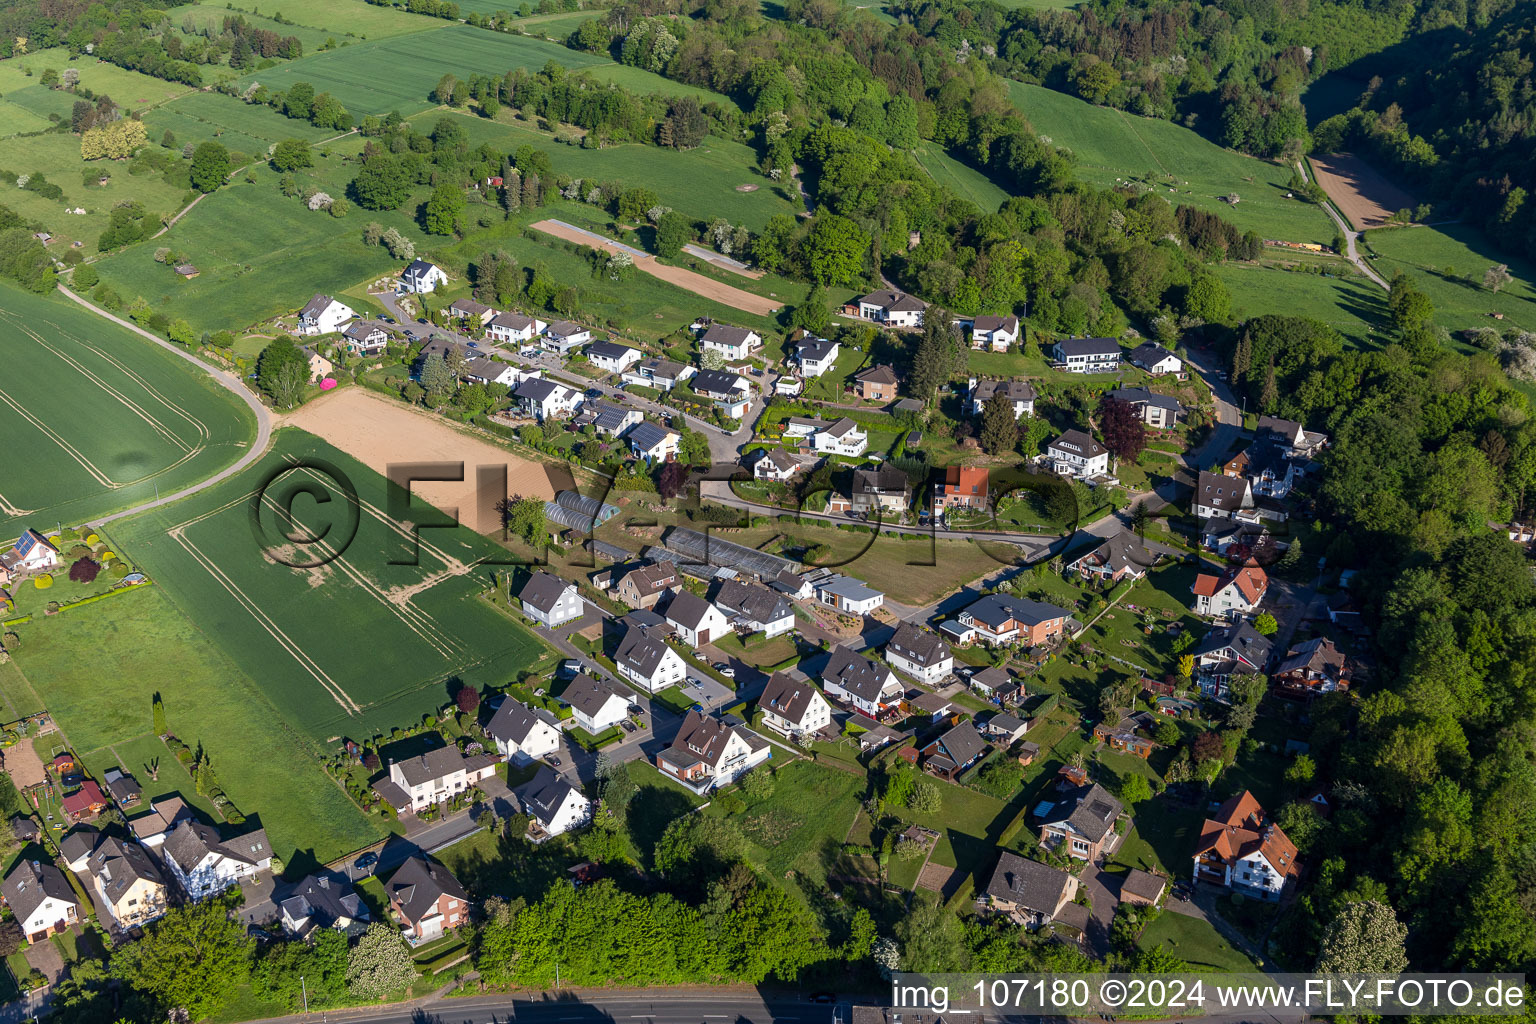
(548, 26)
(211, 14)
(1353, 305)
(701, 182)
(97, 668)
(260, 253)
(18, 698)
(802, 822)
(1441, 258)
(129, 89)
(359, 645)
(1196, 941)
(342, 18)
(117, 419)
(399, 73)
(1113, 147)
(964, 180)
(245, 127)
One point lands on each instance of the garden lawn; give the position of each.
(97, 668)
(136, 756)
(969, 824)
(260, 253)
(828, 387)
(1196, 941)
(758, 651)
(801, 825)
(155, 421)
(1113, 147)
(365, 643)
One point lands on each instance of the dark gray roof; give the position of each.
(434, 764)
(117, 865)
(1149, 353)
(543, 796)
(1146, 396)
(688, 610)
(81, 842)
(1008, 724)
(780, 458)
(589, 695)
(813, 350)
(855, 673)
(1120, 551)
(994, 609)
(881, 373)
(880, 480)
(1028, 883)
(543, 590)
(890, 298)
(1014, 390)
(1144, 884)
(659, 367)
(1088, 809)
(712, 550)
(992, 323)
(537, 389)
(123, 787)
(564, 329)
(32, 882)
(1079, 442)
(651, 578)
(752, 603)
(918, 645)
(191, 841)
(641, 649)
(324, 900)
(512, 320)
(1088, 346)
(610, 417)
(963, 743)
(840, 427)
(992, 679)
(1220, 492)
(718, 383)
(470, 306)
(725, 334)
(645, 436)
(417, 886)
(1241, 639)
(608, 350)
(359, 330)
(315, 306)
(512, 722)
(787, 697)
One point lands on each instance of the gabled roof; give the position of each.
(787, 697)
(316, 306)
(31, 884)
(543, 591)
(971, 480)
(1146, 396)
(857, 674)
(995, 609)
(612, 417)
(1079, 443)
(1088, 347)
(1123, 550)
(1317, 657)
(702, 737)
(647, 436)
(725, 334)
(882, 373)
(537, 389)
(751, 602)
(513, 722)
(918, 645)
(1240, 828)
(512, 321)
(1013, 390)
(840, 428)
(360, 330)
(433, 765)
(118, 865)
(419, 267)
(993, 323)
(1241, 640)
(992, 679)
(123, 787)
(780, 459)
(544, 795)
(324, 900)
(814, 350)
(1220, 492)
(641, 650)
(590, 696)
(470, 306)
(880, 480)
(192, 841)
(1028, 883)
(1144, 884)
(565, 329)
(1149, 353)
(659, 367)
(718, 382)
(963, 743)
(1090, 810)
(895, 301)
(1251, 582)
(417, 886)
(688, 610)
(651, 578)
(89, 795)
(1288, 430)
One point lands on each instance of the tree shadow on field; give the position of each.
(650, 811)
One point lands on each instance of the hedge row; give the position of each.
(96, 597)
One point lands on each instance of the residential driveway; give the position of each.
(45, 956)
(1104, 892)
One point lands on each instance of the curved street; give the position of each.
(225, 380)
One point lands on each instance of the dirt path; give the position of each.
(687, 280)
(1350, 236)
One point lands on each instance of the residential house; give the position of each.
(1239, 589)
(1018, 392)
(611, 420)
(564, 336)
(514, 328)
(1155, 359)
(319, 366)
(1234, 538)
(611, 357)
(77, 846)
(323, 901)
(1083, 820)
(1123, 735)
(323, 315)
(847, 595)
(85, 802)
(521, 734)
(1001, 619)
(695, 620)
(1006, 729)
(426, 899)
(553, 804)
(1121, 556)
(365, 338)
(481, 370)
(955, 751)
(646, 659)
(997, 333)
(1312, 667)
(935, 705)
(815, 356)
(788, 386)
(41, 899)
(153, 828)
(1142, 888)
(1155, 410)
(755, 608)
(731, 392)
(661, 374)
(32, 552)
(920, 653)
(545, 400)
(776, 464)
(550, 600)
(1076, 454)
(1227, 651)
(876, 383)
(1031, 894)
(892, 308)
(204, 863)
(122, 787)
(1270, 471)
(998, 686)
(426, 780)
(961, 487)
(1087, 355)
(794, 707)
(1243, 850)
(792, 583)
(1221, 497)
(881, 489)
(1296, 438)
(595, 704)
(642, 587)
(653, 443)
(420, 277)
(869, 686)
(707, 752)
(733, 343)
(465, 308)
(843, 437)
(127, 881)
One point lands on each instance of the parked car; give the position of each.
(366, 861)
(724, 668)
(694, 682)
(554, 762)
(421, 320)
(823, 997)
(698, 707)
(387, 319)
(636, 709)
(628, 725)
(594, 392)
